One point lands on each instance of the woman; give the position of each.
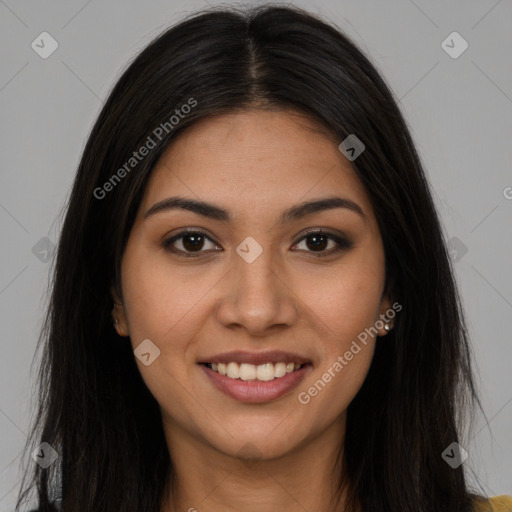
(252, 218)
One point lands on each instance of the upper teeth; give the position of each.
(246, 371)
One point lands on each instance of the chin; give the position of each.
(256, 446)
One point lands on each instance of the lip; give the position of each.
(256, 358)
(256, 391)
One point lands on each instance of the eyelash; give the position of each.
(343, 243)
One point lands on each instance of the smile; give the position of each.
(262, 372)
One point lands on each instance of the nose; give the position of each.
(256, 297)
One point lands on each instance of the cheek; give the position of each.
(345, 317)
(344, 307)
(162, 306)
(161, 301)
(167, 306)
(329, 393)
(345, 302)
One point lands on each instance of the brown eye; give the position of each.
(193, 242)
(317, 242)
(190, 241)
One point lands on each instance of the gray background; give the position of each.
(459, 111)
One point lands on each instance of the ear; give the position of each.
(119, 314)
(384, 316)
(387, 313)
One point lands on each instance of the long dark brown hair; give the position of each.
(93, 406)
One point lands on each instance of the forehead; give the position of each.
(254, 159)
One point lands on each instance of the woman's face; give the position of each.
(252, 288)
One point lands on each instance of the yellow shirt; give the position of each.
(501, 503)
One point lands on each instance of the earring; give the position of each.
(116, 324)
(387, 327)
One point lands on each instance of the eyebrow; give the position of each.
(292, 214)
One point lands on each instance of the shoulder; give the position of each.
(501, 503)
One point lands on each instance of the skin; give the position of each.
(229, 455)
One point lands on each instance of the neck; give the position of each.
(206, 479)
